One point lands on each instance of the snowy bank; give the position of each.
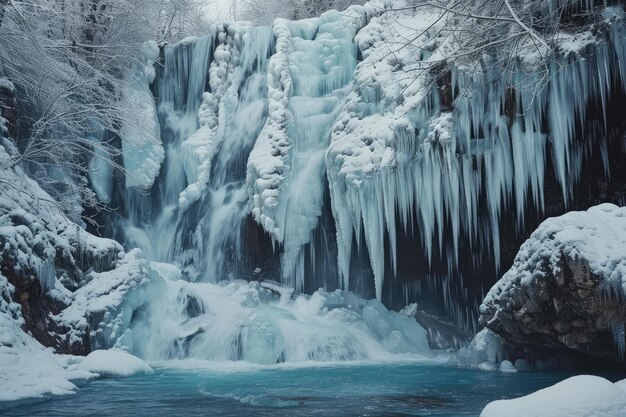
(579, 396)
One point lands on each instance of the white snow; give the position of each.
(113, 362)
(579, 396)
(115, 294)
(597, 236)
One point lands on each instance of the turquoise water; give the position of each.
(356, 390)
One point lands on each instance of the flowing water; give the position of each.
(200, 388)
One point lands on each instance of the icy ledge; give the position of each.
(579, 396)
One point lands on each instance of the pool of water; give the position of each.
(347, 390)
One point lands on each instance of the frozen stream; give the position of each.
(201, 388)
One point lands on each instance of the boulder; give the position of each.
(566, 289)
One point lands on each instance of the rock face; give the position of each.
(45, 256)
(566, 288)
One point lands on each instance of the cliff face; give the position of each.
(566, 288)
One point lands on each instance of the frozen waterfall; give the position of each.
(301, 153)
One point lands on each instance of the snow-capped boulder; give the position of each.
(566, 288)
(28, 370)
(101, 310)
(579, 396)
(114, 362)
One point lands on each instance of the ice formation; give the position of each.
(311, 71)
(263, 323)
(396, 150)
(485, 352)
(289, 122)
(140, 132)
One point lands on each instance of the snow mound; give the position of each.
(114, 362)
(579, 396)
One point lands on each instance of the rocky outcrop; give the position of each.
(566, 289)
(45, 256)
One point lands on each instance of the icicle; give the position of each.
(618, 333)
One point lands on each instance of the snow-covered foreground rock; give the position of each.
(113, 362)
(30, 370)
(27, 368)
(566, 288)
(579, 396)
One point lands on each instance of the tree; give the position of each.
(484, 34)
(264, 12)
(71, 61)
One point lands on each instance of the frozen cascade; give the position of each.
(263, 323)
(180, 85)
(265, 123)
(321, 68)
(433, 167)
(239, 107)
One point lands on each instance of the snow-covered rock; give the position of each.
(103, 308)
(28, 369)
(566, 288)
(43, 254)
(113, 362)
(579, 396)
